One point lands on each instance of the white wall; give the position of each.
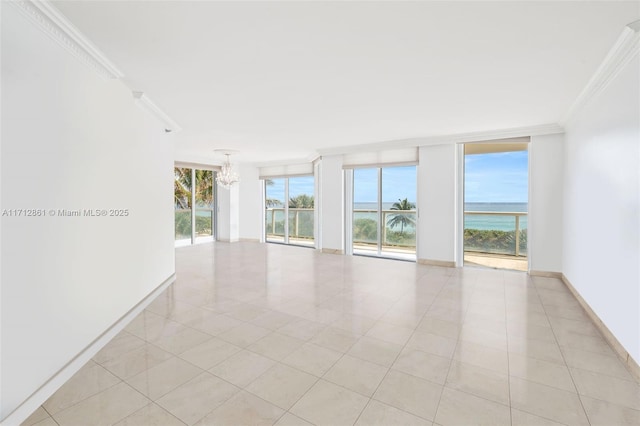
(332, 209)
(546, 165)
(251, 214)
(601, 254)
(437, 203)
(228, 214)
(72, 140)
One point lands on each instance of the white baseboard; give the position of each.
(632, 365)
(546, 274)
(249, 240)
(332, 251)
(432, 262)
(43, 393)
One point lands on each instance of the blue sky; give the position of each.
(297, 186)
(397, 183)
(494, 178)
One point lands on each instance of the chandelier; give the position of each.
(227, 177)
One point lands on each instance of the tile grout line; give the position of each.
(318, 377)
(474, 281)
(50, 415)
(506, 327)
(87, 397)
(562, 355)
(258, 302)
(391, 365)
(398, 355)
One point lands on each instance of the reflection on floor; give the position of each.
(306, 242)
(496, 261)
(270, 334)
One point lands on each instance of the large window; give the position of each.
(194, 187)
(496, 188)
(182, 203)
(290, 205)
(384, 212)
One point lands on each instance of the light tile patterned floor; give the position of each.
(254, 334)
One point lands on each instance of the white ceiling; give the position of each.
(281, 80)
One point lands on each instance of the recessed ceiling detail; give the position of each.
(282, 81)
(58, 27)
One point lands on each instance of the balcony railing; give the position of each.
(401, 234)
(495, 232)
(484, 232)
(300, 223)
(399, 228)
(204, 223)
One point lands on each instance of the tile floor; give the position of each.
(254, 334)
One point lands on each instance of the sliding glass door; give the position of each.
(275, 214)
(301, 210)
(496, 192)
(182, 198)
(194, 187)
(289, 210)
(204, 205)
(398, 193)
(366, 211)
(384, 212)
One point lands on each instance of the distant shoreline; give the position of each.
(469, 206)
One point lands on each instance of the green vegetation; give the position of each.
(302, 201)
(300, 221)
(271, 202)
(402, 219)
(304, 224)
(183, 225)
(183, 186)
(365, 230)
(494, 241)
(404, 239)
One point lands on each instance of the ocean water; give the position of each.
(482, 222)
(372, 214)
(500, 223)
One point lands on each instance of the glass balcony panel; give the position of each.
(183, 224)
(399, 232)
(274, 202)
(204, 204)
(399, 212)
(301, 207)
(301, 226)
(182, 203)
(496, 233)
(365, 230)
(204, 223)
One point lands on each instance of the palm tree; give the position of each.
(183, 185)
(270, 202)
(302, 201)
(204, 187)
(182, 188)
(182, 198)
(402, 219)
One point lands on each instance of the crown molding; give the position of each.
(188, 159)
(49, 19)
(146, 104)
(311, 158)
(624, 49)
(490, 135)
